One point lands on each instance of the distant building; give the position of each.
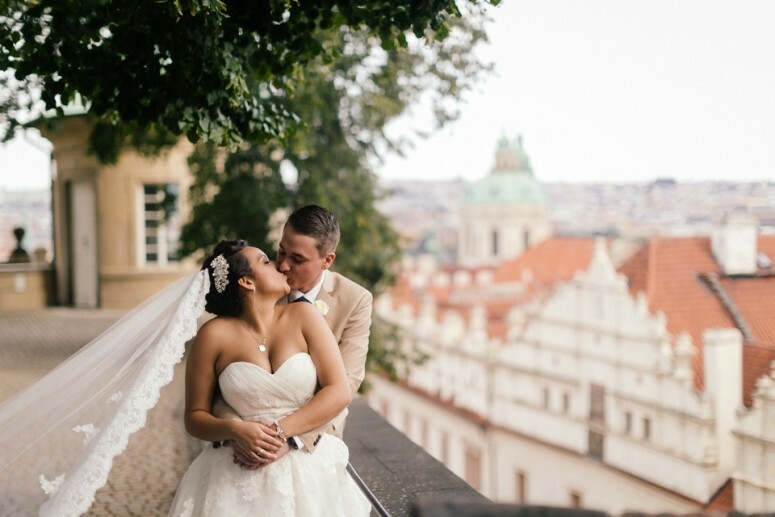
(579, 374)
(505, 212)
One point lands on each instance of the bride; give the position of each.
(267, 361)
(278, 366)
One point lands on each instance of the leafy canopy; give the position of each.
(214, 70)
(346, 106)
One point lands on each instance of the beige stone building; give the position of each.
(116, 227)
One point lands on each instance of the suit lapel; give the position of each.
(326, 295)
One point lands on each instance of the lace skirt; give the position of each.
(299, 484)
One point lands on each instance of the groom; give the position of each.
(306, 252)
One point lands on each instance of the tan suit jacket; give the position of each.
(349, 316)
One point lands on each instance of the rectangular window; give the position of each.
(520, 480)
(566, 403)
(161, 223)
(646, 428)
(627, 422)
(407, 422)
(597, 404)
(596, 444)
(444, 447)
(473, 458)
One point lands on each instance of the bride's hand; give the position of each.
(256, 441)
(245, 460)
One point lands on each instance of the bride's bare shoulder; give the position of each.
(218, 328)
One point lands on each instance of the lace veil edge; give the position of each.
(63, 432)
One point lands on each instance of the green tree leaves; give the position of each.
(213, 70)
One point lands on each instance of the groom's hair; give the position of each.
(317, 222)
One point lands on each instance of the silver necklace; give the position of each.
(261, 344)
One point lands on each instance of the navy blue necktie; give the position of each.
(301, 299)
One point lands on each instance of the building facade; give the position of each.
(116, 227)
(591, 373)
(503, 213)
(589, 395)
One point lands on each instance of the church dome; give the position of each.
(511, 179)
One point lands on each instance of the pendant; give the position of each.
(262, 346)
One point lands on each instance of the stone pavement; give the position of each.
(145, 476)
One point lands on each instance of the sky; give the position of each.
(599, 90)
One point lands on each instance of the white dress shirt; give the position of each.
(310, 295)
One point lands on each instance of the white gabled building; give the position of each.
(754, 477)
(647, 387)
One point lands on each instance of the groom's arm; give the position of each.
(353, 345)
(222, 410)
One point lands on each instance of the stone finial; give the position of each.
(666, 355)
(516, 322)
(642, 303)
(659, 324)
(762, 383)
(39, 255)
(477, 327)
(19, 254)
(601, 268)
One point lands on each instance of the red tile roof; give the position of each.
(553, 260)
(723, 500)
(667, 270)
(677, 275)
(538, 269)
(754, 297)
(757, 362)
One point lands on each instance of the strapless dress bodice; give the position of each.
(257, 394)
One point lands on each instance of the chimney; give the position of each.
(734, 244)
(722, 351)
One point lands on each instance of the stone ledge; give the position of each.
(397, 471)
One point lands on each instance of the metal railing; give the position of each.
(367, 492)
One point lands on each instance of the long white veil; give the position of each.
(58, 437)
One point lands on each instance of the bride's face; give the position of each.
(268, 279)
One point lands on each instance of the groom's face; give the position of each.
(300, 261)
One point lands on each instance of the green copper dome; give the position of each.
(511, 179)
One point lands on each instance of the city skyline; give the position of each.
(599, 91)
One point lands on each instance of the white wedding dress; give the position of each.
(299, 484)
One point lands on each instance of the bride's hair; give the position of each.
(227, 302)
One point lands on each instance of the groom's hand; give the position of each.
(247, 461)
(257, 441)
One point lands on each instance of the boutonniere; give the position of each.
(321, 306)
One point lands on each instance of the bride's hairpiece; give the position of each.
(220, 273)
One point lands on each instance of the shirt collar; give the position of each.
(310, 295)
